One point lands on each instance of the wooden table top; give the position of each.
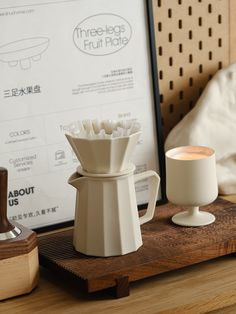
(208, 287)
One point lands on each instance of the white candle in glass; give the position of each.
(191, 182)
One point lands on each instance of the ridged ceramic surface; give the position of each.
(104, 155)
(110, 224)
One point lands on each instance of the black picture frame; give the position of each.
(157, 112)
(156, 99)
(150, 29)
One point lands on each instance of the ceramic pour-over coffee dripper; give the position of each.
(109, 155)
(106, 214)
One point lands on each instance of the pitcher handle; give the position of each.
(154, 187)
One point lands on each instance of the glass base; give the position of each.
(189, 219)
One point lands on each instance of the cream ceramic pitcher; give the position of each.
(106, 215)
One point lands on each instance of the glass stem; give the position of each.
(193, 210)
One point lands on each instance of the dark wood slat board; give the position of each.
(165, 247)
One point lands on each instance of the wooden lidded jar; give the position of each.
(19, 266)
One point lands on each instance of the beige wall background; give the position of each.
(194, 39)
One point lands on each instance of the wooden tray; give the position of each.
(165, 247)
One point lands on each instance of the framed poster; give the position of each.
(69, 60)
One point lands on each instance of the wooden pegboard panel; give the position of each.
(232, 27)
(192, 40)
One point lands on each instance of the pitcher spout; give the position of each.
(76, 180)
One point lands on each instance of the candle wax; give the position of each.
(189, 156)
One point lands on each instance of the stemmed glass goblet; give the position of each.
(191, 182)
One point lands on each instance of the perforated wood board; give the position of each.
(194, 38)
